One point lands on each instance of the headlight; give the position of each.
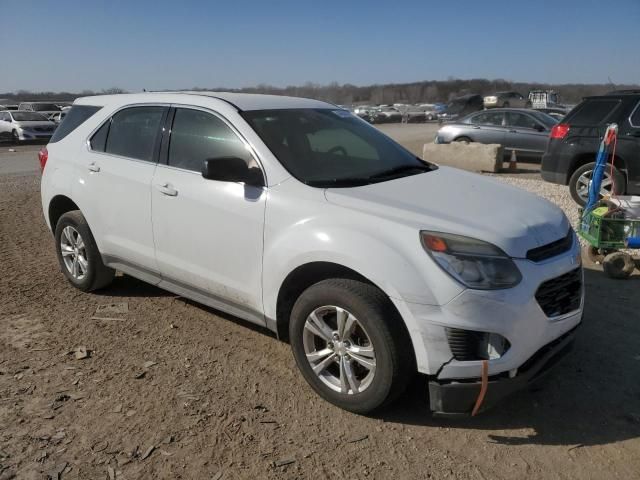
(474, 263)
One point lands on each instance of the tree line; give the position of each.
(429, 91)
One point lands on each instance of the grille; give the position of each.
(552, 249)
(562, 294)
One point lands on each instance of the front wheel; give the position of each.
(581, 180)
(350, 344)
(15, 138)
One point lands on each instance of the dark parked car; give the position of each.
(525, 131)
(461, 106)
(571, 152)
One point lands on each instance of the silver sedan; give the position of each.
(523, 130)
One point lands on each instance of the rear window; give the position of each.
(72, 120)
(592, 112)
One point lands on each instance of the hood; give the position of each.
(454, 201)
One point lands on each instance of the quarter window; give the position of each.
(197, 136)
(134, 132)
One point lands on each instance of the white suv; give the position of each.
(299, 216)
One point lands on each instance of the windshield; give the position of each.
(45, 107)
(28, 117)
(330, 148)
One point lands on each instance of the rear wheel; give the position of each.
(463, 140)
(618, 265)
(78, 254)
(581, 180)
(350, 345)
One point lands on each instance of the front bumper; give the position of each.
(458, 398)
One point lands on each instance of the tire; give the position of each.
(15, 138)
(618, 265)
(89, 273)
(463, 140)
(376, 328)
(578, 188)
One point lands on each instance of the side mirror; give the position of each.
(231, 169)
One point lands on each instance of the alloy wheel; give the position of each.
(74, 254)
(584, 182)
(339, 350)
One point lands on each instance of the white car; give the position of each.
(19, 126)
(300, 217)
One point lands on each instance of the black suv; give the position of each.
(573, 145)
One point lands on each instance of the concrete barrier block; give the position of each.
(474, 157)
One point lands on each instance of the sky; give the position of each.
(73, 45)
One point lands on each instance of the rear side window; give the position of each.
(72, 120)
(487, 118)
(635, 117)
(592, 112)
(134, 132)
(520, 120)
(197, 136)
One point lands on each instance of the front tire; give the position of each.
(581, 179)
(78, 254)
(15, 138)
(350, 344)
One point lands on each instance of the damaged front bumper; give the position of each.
(458, 397)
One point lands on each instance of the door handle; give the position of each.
(93, 167)
(167, 189)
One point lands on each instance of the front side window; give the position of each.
(487, 118)
(326, 147)
(134, 132)
(197, 136)
(520, 120)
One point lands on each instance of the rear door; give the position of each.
(119, 167)
(525, 135)
(629, 148)
(486, 127)
(208, 234)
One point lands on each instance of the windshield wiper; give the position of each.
(339, 182)
(397, 171)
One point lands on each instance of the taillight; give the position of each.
(43, 156)
(559, 131)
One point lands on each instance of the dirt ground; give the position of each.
(175, 390)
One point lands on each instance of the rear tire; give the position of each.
(578, 183)
(375, 328)
(619, 265)
(78, 254)
(463, 140)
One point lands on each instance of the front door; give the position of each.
(208, 234)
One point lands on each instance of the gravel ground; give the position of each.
(173, 390)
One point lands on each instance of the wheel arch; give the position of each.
(58, 206)
(584, 158)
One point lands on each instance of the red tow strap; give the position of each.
(483, 388)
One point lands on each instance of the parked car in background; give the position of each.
(19, 126)
(388, 114)
(558, 113)
(371, 262)
(8, 107)
(523, 130)
(505, 100)
(573, 145)
(45, 108)
(543, 99)
(414, 114)
(58, 117)
(461, 106)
